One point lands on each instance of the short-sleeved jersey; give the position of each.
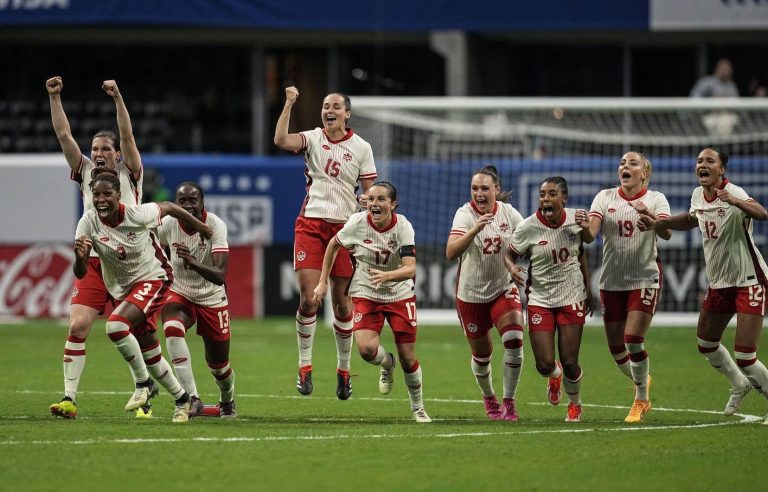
(332, 169)
(630, 258)
(482, 276)
(555, 278)
(726, 231)
(130, 185)
(187, 281)
(381, 249)
(129, 252)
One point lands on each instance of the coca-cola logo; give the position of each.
(36, 281)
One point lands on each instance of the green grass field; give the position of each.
(283, 441)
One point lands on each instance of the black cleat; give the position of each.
(343, 385)
(304, 381)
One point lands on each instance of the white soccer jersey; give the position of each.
(555, 278)
(187, 281)
(482, 276)
(129, 252)
(729, 249)
(130, 185)
(380, 249)
(332, 169)
(630, 258)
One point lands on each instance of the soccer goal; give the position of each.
(429, 146)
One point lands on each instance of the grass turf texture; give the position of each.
(283, 441)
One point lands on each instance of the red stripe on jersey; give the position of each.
(160, 255)
(596, 214)
(303, 142)
(752, 253)
(368, 176)
(76, 174)
(630, 198)
(346, 136)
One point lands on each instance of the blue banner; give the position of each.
(342, 15)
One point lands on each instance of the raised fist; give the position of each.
(54, 85)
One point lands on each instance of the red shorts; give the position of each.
(477, 318)
(149, 296)
(212, 322)
(311, 237)
(617, 304)
(745, 300)
(546, 319)
(90, 290)
(401, 316)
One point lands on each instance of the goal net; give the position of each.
(428, 147)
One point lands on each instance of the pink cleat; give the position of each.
(492, 408)
(508, 410)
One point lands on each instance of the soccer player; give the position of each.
(559, 298)
(336, 159)
(89, 295)
(138, 275)
(383, 246)
(481, 231)
(198, 296)
(736, 272)
(631, 279)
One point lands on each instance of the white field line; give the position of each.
(744, 419)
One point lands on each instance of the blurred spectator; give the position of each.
(719, 84)
(756, 89)
(154, 190)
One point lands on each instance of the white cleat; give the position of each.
(420, 416)
(385, 377)
(181, 413)
(141, 396)
(737, 396)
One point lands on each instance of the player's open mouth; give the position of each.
(548, 211)
(376, 212)
(704, 173)
(330, 119)
(103, 210)
(625, 175)
(100, 162)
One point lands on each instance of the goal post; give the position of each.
(429, 146)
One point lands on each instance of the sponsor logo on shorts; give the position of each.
(602, 308)
(536, 319)
(580, 314)
(358, 317)
(754, 303)
(472, 328)
(74, 292)
(301, 256)
(646, 302)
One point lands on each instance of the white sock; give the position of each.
(342, 331)
(573, 389)
(225, 380)
(752, 368)
(481, 368)
(159, 368)
(621, 357)
(74, 363)
(640, 365)
(382, 359)
(305, 335)
(178, 352)
(721, 360)
(120, 334)
(413, 382)
(513, 361)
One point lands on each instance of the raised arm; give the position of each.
(328, 259)
(128, 148)
(169, 208)
(751, 207)
(457, 245)
(72, 153)
(283, 139)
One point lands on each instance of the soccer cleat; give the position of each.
(638, 411)
(144, 411)
(343, 385)
(195, 406)
(304, 381)
(553, 387)
(227, 410)
(385, 377)
(141, 396)
(420, 416)
(574, 413)
(737, 396)
(508, 411)
(492, 408)
(181, 412)
(65, 408)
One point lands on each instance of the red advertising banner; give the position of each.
(36, 280)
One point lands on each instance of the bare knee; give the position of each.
(571, 369)
(368, 351)
(307, 305)
(79, 327)
(545, 368)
